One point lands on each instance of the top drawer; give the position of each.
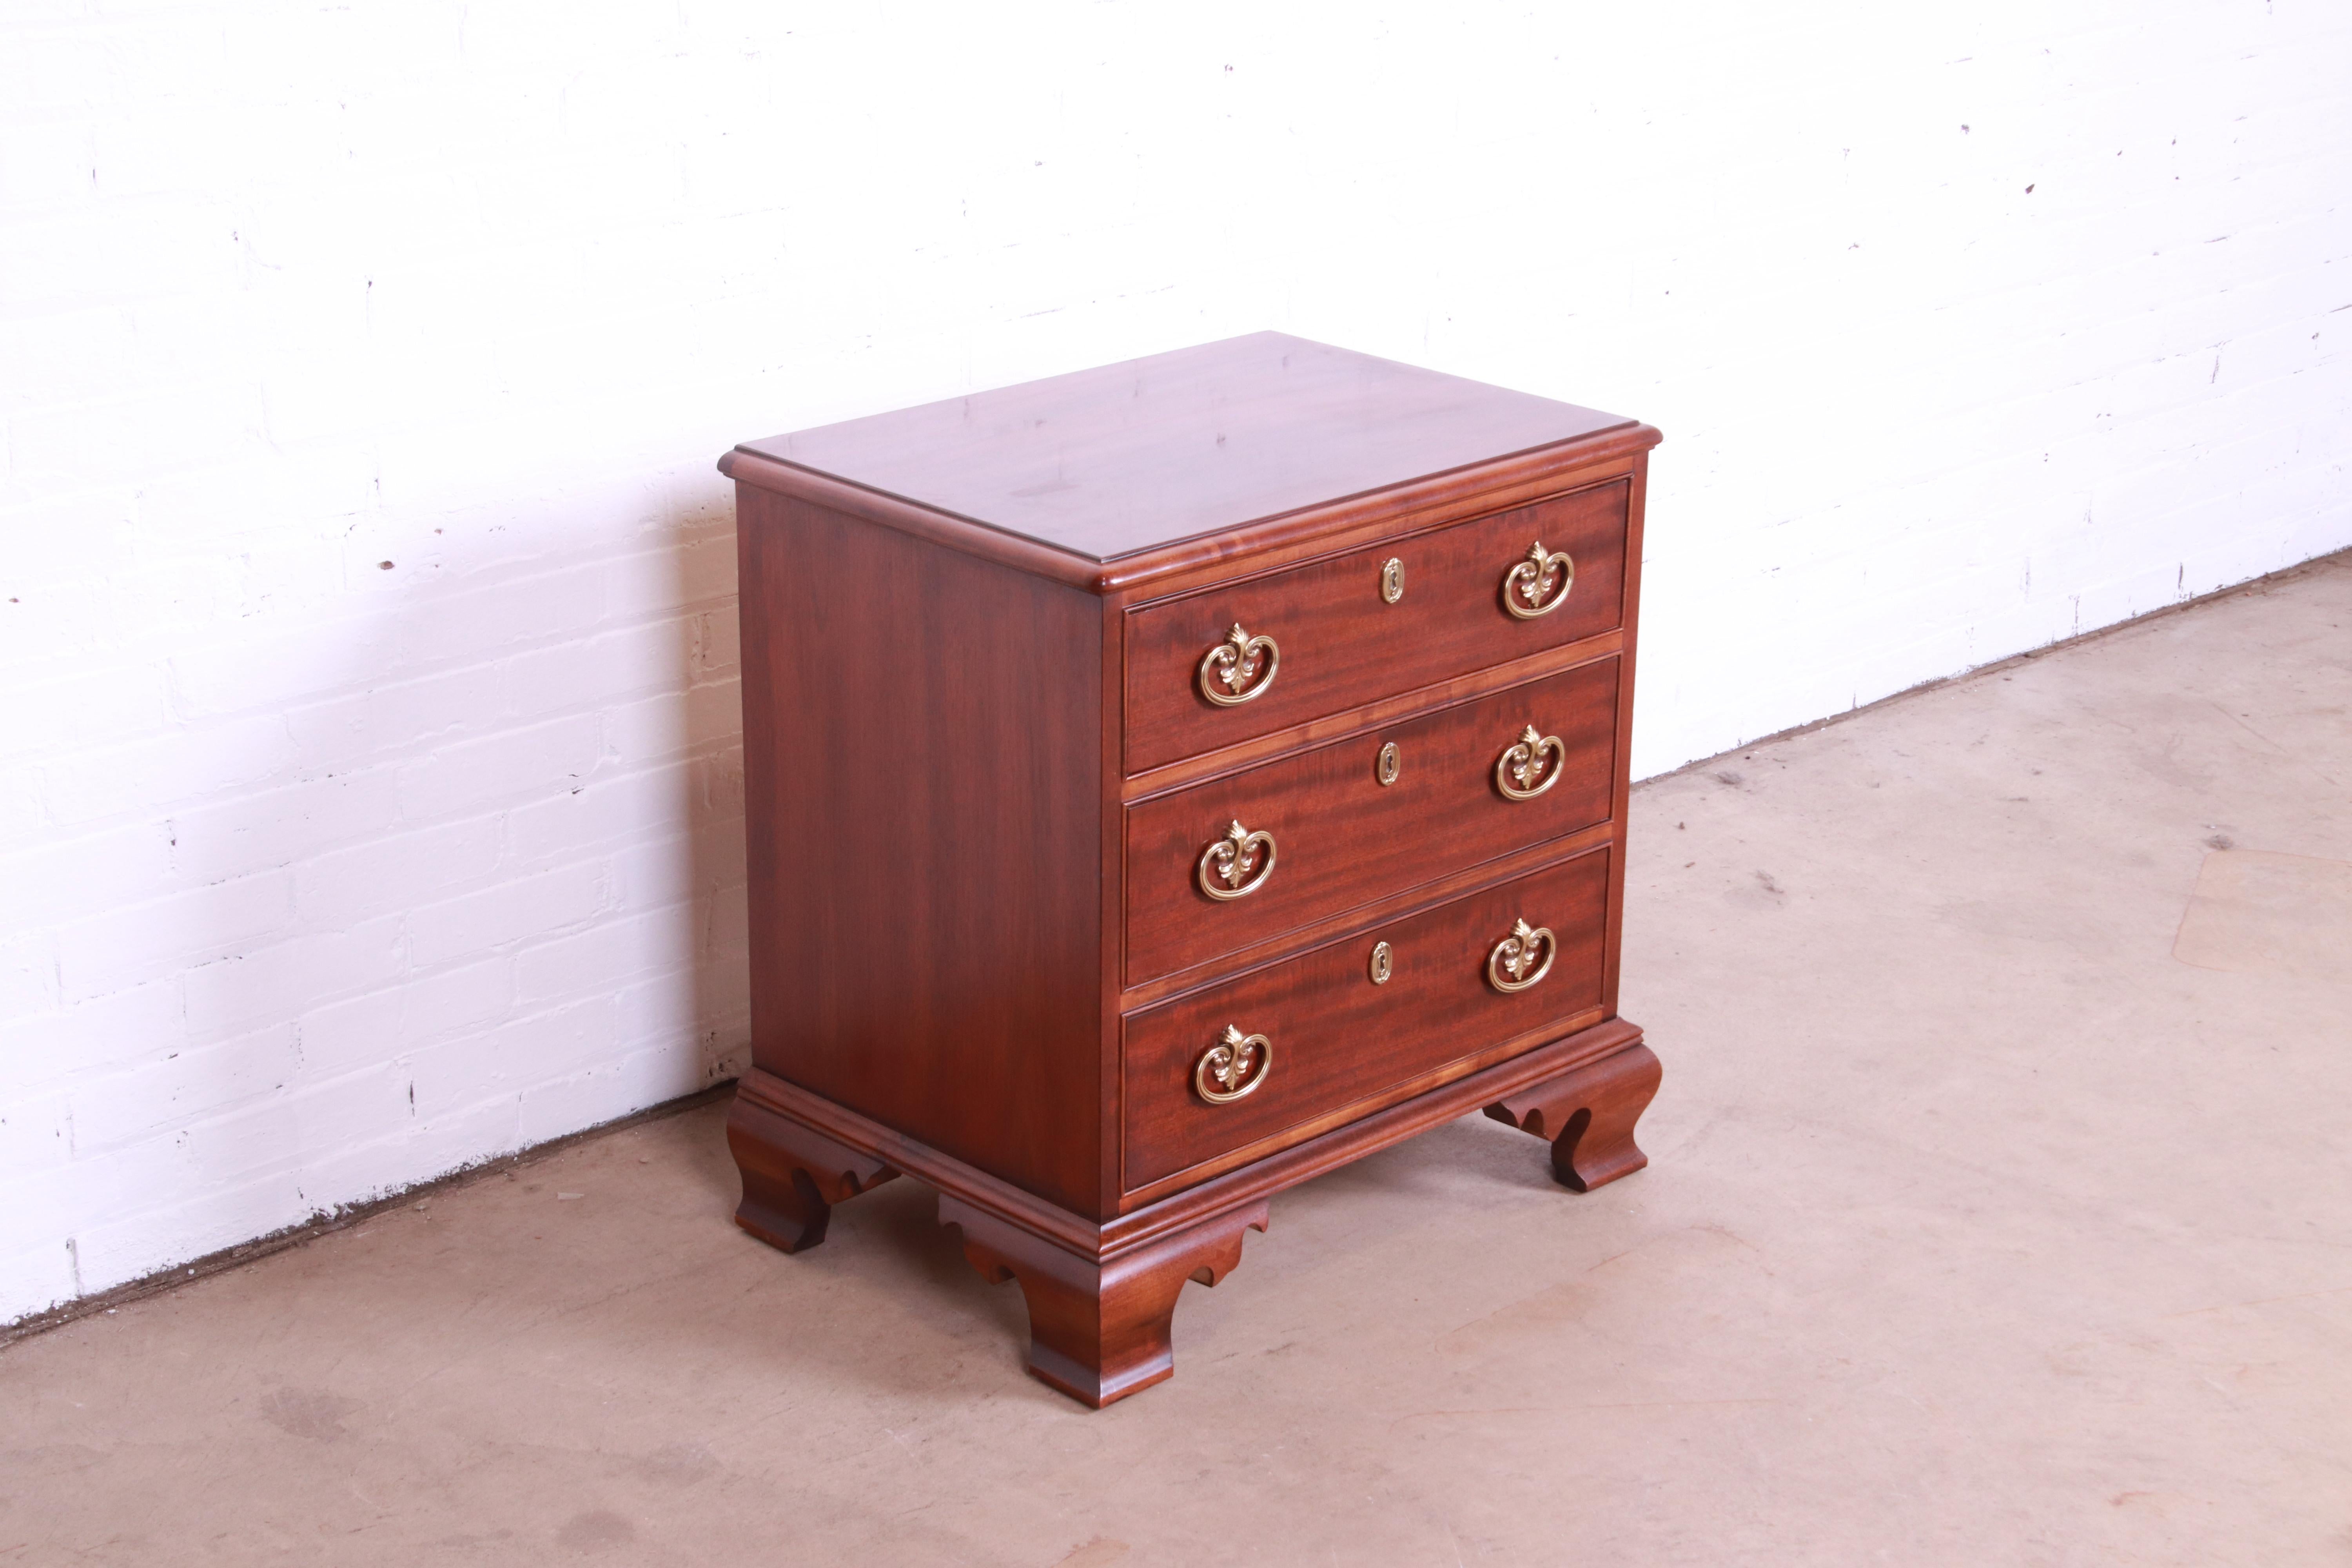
(1329, 636)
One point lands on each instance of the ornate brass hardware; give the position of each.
(1391, 579)
(1383, 962)
(1234, 664)
(1520, 767)
(1233, 1058)
(1235, 861)
(1528, 589)
(1517, 955)
(1391, 763)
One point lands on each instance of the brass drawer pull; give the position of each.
(1517, 954)
(1520, 767)
(1236, 1063)
(1233, 665)
(1236, 861)
(1528, 589)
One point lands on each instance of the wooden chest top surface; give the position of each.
(1128, 458)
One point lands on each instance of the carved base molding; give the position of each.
(1588, 1117)
(1100, 1331)
(793, 1175)
(1102, 1295)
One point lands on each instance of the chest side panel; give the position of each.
(923, 803)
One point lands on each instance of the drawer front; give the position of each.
(1332, 1038)
(1338, 837)
(1339, 640)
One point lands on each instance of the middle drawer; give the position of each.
(1221, 865)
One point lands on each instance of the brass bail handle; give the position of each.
(1237, 865)
(1539, 584)
(1233, 1067)
(1514, 955)
(1530, 765)
(1238, 668)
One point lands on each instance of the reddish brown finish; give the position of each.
(1338, 1037)
(1342, 645)
(925, 950)
(793, 1175)
(1403, 905)
(1100, 1331)
(1344, 839)
(1124, 459)
(1262, 545)
(960, 750)
(1398, 709)
(1134, 1262)
(1588, 1116)
(1161, 1214)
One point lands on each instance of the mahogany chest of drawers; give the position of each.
(1167, 782)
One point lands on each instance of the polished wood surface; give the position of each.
(1397, 707)
(793, 1175)
(1108, 1291)
(1181, 1207)
(1124, 459)
(1338, 1037)
(979, 778)
(1344, 839)
(1100, 1330)
(1338, 524)
(1342, 645)
(925, 951)
(1587, 1115)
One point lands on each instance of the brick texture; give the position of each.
(370, 792)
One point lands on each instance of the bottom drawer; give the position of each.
(1287, 1046)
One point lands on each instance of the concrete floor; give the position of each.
(1981, 1227)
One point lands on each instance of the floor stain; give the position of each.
(311, 1412)
(2254, 912)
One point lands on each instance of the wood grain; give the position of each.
(793, 1175)
(1341, 645)
(979, 776)
(1587, 1115)
(1338, 1037)
(1125, 458)
(1099, 1330)
(1144, 1220)
(1343, 839)
(1320, 530)
(922, 772)
(1402, 707)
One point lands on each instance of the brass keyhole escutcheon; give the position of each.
(1391, 763)
(1232, 1067)
(1539, 584)
(1383, 962)
(1514, 955)
(1391, 579)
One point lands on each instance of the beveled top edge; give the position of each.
(1112, 464)
(1413, 505)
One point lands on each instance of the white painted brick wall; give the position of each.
(1970, 328)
